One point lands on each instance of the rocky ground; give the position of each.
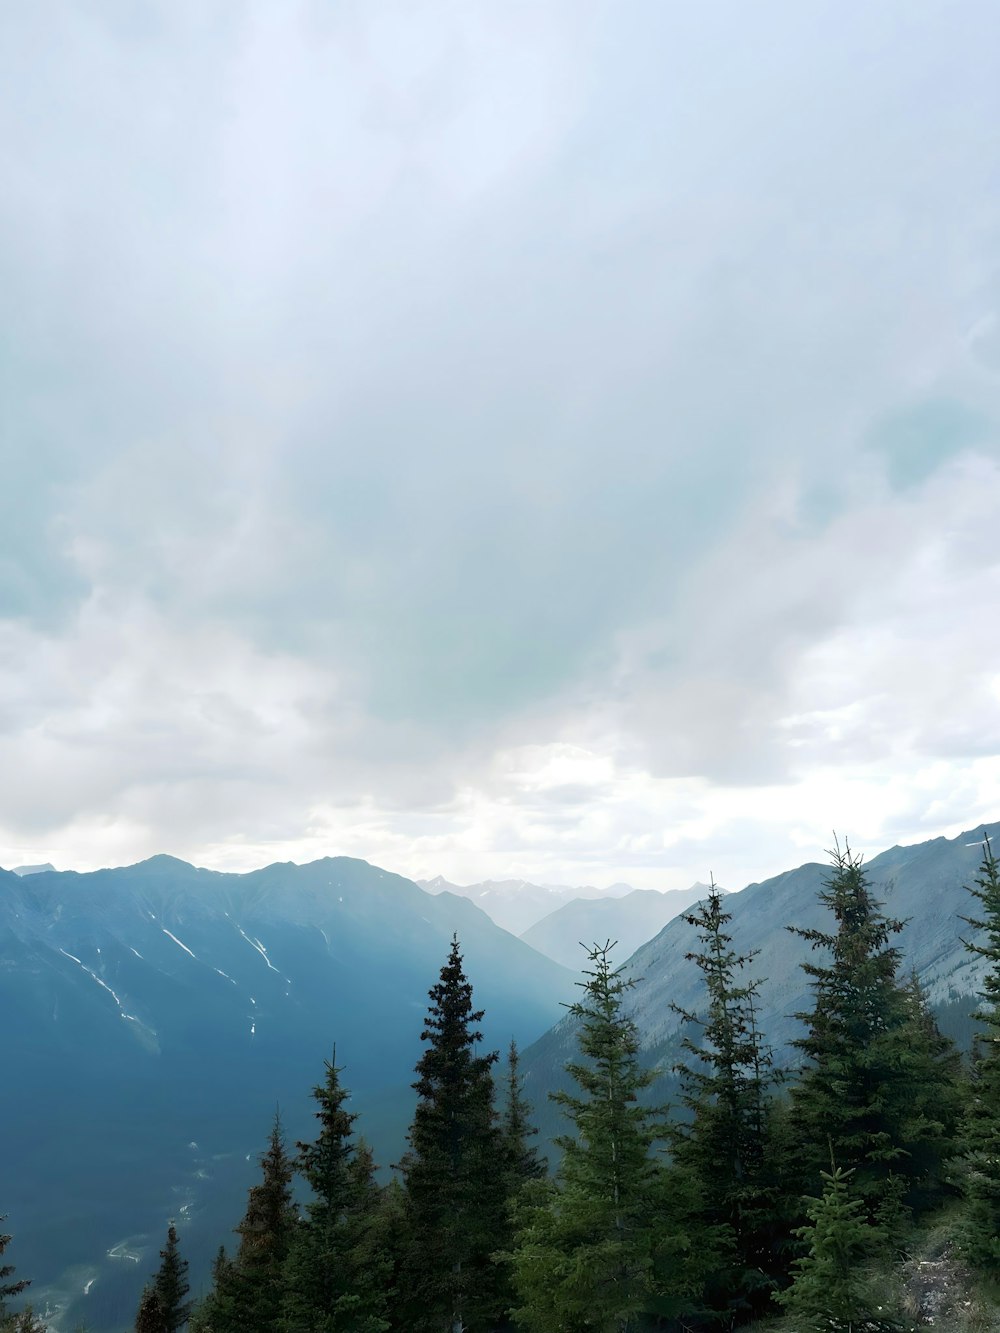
(938, 1293)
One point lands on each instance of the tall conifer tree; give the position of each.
(524, 1161)
(979, 1165)
(865, 1065)
(170, 1286)
(247, 1290)
(336, 1275)
(725, 1143)
(454, 1174)
(265, 1235)
(601, 1249)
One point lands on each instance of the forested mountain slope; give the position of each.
(923, 884)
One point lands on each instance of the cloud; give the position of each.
(394, 400)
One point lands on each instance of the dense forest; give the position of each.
(859, 1191)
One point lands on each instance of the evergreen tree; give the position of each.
(336, 1274)
(217, 1312)
(725, 1142)
(863, 1074)
(454, 1174)
(25, 1321)
(149, 1318)
(933, 1097)
(246, 1295)
(265, 1234)
(979, 1165)
(524, 1162)
(602, 1248)
(171, 1285)
(7, 1287)
(833, 1290)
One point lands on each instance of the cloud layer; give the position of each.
(558, 442)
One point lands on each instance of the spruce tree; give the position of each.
(979, 1164)
(265, 1235)
(601, 1249)
(336, 1273)
(523, 1159)
(833, 1290)
(725, 1141)
(170, 1285)
(24, 1321)
(217, 1312)
(862, 1076)
(247, 1290)
(454, 1174)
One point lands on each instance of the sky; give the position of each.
(555, 441)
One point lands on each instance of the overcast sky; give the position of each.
(552, 439)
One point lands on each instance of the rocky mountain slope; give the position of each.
(922, 884)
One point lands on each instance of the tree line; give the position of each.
(784, 1198)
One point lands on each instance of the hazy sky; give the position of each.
(552, 439)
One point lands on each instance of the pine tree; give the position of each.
(524, 1162)
(453, 1173)
(860, 1081)
(979, 1165)
(725, 1142)
(833, 1290)
(601, 1247)
(336, 1273)
(171, 1285)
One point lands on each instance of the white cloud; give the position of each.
(552, 442)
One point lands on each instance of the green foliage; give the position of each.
(25, 1321)
(336, 1273)
(523, 1159)
(455, 1174)
(247, 1291)
(170, 1286)
(606, 1245)
(878, 1084)
(217, 1311)
(979, 1165)
(7, 1287)
(834, 1290)
(725, 1143)
(149, 1317)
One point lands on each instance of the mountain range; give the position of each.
(517, 904)
(156, 1014)
(627, 922)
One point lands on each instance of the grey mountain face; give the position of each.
(33, 870)
(155, 1015)
(630, 921)
(517, 904)
(922, 884)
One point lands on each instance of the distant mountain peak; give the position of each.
(35, 870)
